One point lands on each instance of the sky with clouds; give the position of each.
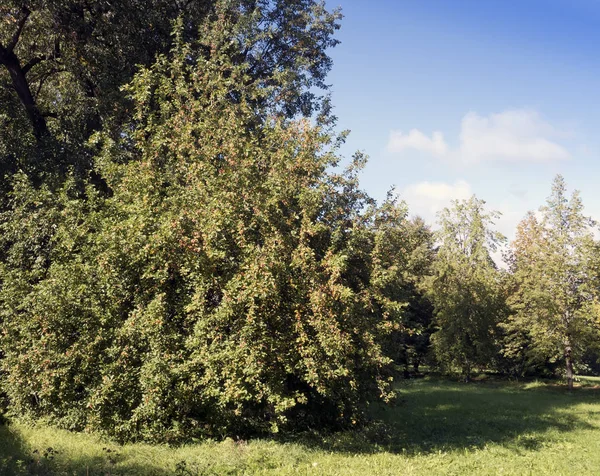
(462, 97)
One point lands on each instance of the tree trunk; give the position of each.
(416, 366)
(467, 371)
(19, 82)
(569, 365)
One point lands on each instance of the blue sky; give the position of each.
(490, 97)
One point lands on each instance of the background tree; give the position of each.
(555, 298)
(409, 244)
(63, 62)
(466, 287)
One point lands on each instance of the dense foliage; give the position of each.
(63, 64)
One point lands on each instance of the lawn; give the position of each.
(437, 427)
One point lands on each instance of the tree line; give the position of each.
(181, 254)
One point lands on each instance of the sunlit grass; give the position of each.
(585, 381)
(437, 427)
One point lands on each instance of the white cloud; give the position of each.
(511, 136)
(518, 135)
(415, 139)
(427, 198)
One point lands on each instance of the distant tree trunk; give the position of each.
(569, 364)
(467, 371)
(406, 363)
(568, 342)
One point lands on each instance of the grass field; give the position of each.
(438, 427)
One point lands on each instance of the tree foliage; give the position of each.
(410, 243)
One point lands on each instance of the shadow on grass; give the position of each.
(441, 415)
(17, 459)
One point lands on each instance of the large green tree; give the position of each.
(231, 283)
(63, 68)
(556, 289)
(466, 287)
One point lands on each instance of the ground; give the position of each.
(437, 427)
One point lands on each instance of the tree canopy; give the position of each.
(229, 283)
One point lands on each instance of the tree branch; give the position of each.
(15, 39)
(43, 80)
(34, 61)
(38, 59)
(21, 86)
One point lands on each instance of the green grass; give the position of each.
(438, 427)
